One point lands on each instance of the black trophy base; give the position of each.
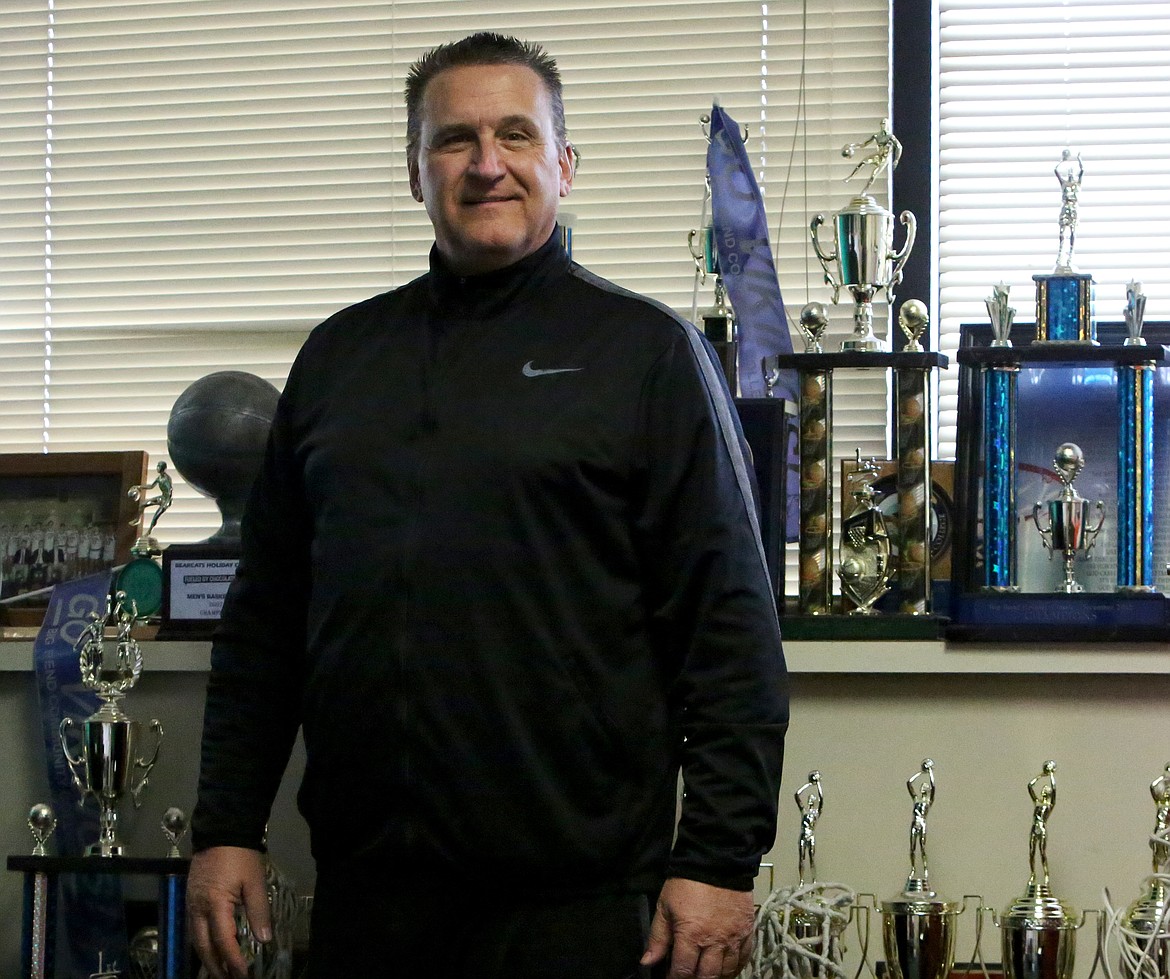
(1059, 618)
(195, 580)
(875, 626)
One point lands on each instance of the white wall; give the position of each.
(866, 733)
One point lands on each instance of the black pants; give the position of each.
(377, 930)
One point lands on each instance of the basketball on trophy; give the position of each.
(216, 435)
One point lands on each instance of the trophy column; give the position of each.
(816, 492)
(999, 481)
(914, 484)
(1135, 457)
(1135, 477)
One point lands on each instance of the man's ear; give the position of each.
(415, 184)
(568, 165)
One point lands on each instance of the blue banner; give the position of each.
(90, 910)
(749, 274)
(745, 259)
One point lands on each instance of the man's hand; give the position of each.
(707, 931)
(221, 879)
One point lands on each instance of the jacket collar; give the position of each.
(489, 293)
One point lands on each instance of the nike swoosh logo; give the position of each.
(529, 371)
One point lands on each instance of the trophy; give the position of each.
(1134, 314)
(1038, 930)
(41, 823)
(863, 259)
(105, 765)
(1068, 529)
(1064, 297)
(142, 578)
(717, 321)
(865, 568)
(174, 825)
(1143, 930)
(817, 916)
(1001, 313)
(918, 927)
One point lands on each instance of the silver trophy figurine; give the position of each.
(863, 259)
(1001, 313)
(1134, 313)
(41, 823)
(1143, 931)
(1038, 930)
(1068, 531)
(1070, 173)
(818, 914)
(164, 488)
(1064, 296)
(813, 322)
(865, 567)
(810, 800)
(105, 766)
(174, 826)
(918, 927)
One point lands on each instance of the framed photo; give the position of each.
(63, 515)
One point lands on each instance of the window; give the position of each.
(191, 185)
(1018, 83)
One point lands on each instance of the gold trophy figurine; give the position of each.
(1039, 931)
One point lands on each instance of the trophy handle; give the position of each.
(1045, 535)
(1092, 532)
(144, 778)
(76, 762)
(899, 257)
(825, 259)
(696, 256)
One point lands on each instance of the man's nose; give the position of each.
(487, 159)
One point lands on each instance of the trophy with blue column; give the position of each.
(1064, 296)
(1135, 457)
(999, 454)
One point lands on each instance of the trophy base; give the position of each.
(100, 849)
(1064, 309)
(833, 626)
(863, 345)
(1030, 618)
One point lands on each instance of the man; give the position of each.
(553, 596)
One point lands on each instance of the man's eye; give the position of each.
(516, 136)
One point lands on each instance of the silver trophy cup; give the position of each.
(1069, 532)
(105, 762)
(863, 259)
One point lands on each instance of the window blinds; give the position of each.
(1019, 82)
(192, 185)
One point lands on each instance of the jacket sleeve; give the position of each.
(714, 610)
(252, 710)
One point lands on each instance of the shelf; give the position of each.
(176, 656)
(804, 656)
(942, 658)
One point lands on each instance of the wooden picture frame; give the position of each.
(63, 515)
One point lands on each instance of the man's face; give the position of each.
(489, 168)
